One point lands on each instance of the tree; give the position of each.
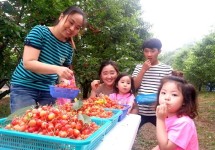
(115, 31)
(197, 62)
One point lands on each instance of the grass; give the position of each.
(205, 123)
(146, 138)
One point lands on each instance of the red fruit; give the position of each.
(63, 122)
(76, 133)
(62, 134)
(39, 122)
(50, 127)
(43, 113)
(86, 132)
(44, 125)
(65, 117)
(8, 126)
(78, 126)
(32, 123)
(73, 125)
(15, 121)
(58, 126)
(56, 111)
(51, 116)
(70, 131)
(17, 127)
(32, 129)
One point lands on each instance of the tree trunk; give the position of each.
(85, 89)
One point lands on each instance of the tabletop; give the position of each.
(122, 136)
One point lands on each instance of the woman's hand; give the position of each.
(65, 73)
(95, 84)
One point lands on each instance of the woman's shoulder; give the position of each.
(40, 27)
(39, 30)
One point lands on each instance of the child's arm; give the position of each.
(131, 103)
(134, 108)
(162, 135)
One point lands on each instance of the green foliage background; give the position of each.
(115, 30)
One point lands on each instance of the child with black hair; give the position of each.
(175, 111)
(124, 90)
(147, 77)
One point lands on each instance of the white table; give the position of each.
(122, 136)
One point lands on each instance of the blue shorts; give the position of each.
(21, 96)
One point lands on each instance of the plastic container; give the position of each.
(58, 92)
(11, 140)
(114, 119)
(146, 98)
(124, 112)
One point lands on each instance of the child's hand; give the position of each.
(95, 84)
(146, 65)
(161, 111)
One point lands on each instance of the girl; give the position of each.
(177, 108)
(47, 56)
(124, 90)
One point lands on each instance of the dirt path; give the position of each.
(146, 138)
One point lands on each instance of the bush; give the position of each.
(4, 107)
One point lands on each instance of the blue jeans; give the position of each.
(21, 96)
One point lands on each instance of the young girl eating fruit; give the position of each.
(124, 90)
(176, 109)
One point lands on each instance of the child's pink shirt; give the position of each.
(182, 132)
(124, 99)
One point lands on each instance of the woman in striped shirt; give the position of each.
(47, 56)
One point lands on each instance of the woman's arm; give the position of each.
(94, 85)
(30, 62)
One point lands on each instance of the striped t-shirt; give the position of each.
(52, 51)
(150, 84)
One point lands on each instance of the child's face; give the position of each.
(108, 75)
(124, 85)
(171, 95)
(151, 55)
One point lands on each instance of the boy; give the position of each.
(147, 77)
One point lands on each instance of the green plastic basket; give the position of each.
(11, 140)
